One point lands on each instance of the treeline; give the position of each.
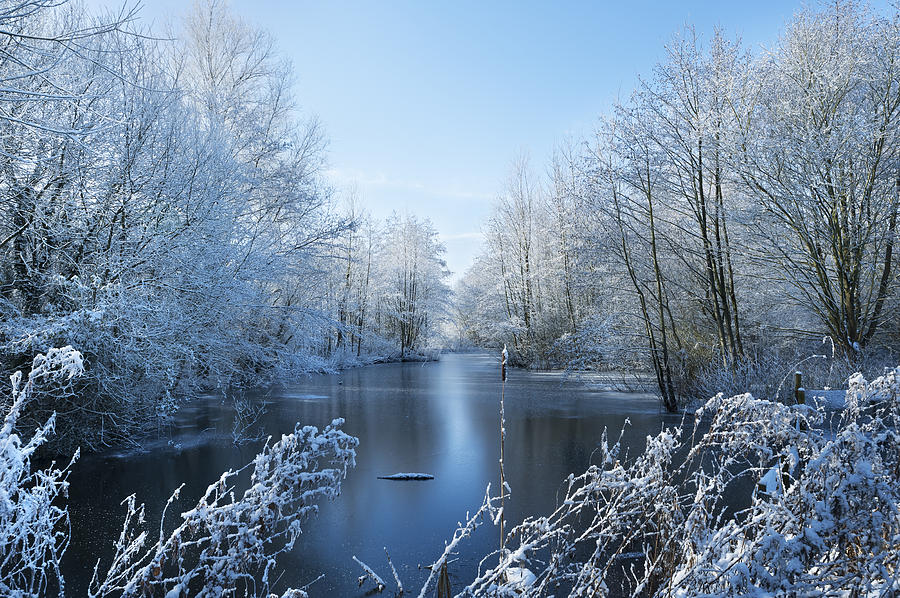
(387, 290)
(734, 208)
(164, 211)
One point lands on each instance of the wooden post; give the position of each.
(799, 391)
(443, 587)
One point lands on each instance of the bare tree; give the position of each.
(821, 154)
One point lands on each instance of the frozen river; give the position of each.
(439, 418)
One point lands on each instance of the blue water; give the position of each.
(439, 418)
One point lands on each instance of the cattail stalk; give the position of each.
(503, 358)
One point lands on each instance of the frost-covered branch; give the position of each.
(370, 574)
(225, 541)
(394, 572)
(34, 531)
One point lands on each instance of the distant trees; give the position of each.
(730, 207)
(521, 291)
(389, 295)
(414, 296)
(513, 242)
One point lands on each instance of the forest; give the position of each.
(167, 230)
(730, 214)
(165, 212)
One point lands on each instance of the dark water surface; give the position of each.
(439, 418)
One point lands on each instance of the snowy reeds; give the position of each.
(464, 530)
(683, 519)
(34, 530)
(504, 487)
(224, 541)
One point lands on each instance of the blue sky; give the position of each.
(427, 103)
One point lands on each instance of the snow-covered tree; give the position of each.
(734, 207)
(175, 238)
(413, 295)
(821, 155)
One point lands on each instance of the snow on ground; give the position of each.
(832, 399)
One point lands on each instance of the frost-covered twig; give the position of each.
(370, 574)
(394, 572)
(246, 413)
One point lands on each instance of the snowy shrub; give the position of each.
(224, 542)
(221, 543)
(765, 499)
(33, 530)
(830, 518)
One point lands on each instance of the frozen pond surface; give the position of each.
(439, 418)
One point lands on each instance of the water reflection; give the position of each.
(438, 418)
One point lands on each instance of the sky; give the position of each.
(426, 104)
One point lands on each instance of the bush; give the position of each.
(33, 529)
(222, 543)
(761, 499)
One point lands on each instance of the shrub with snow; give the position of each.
(224, 542)
(823, 519)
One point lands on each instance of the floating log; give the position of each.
(407, 476)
